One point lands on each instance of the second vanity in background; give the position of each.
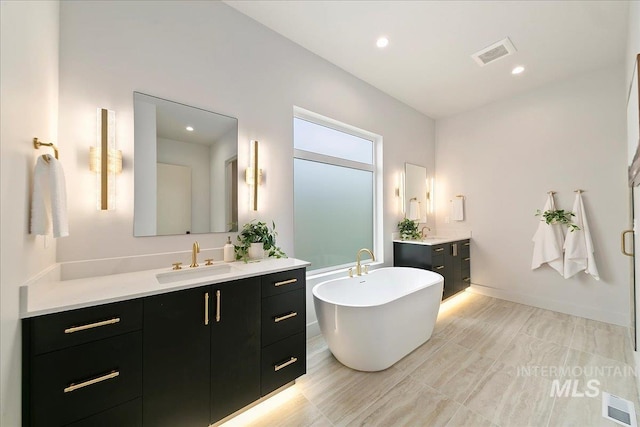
(449, 257)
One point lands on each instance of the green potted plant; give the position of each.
(558, 216)
(409, 229)
(256, 240)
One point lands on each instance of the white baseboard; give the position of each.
(554, 305)
(313, 329)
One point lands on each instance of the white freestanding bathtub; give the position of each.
(372, 321)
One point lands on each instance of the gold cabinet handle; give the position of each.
(218, 297)
(285, 317)
(624, 246)
(467, 279)
(285, 364)
(285, 282)
(467, 258)
(454, 249)
(206, 308)
(92, 325)
(440, 267)
(438, 250)
(73, 387)
(467, 244)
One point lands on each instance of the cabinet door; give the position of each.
(176, 359)
(235, 346)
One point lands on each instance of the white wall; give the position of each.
(210, 56)
(504, 158)
(29, 108)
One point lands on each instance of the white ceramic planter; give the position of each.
(256, 251)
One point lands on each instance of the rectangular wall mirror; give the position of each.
(415, 192)
(185, 169)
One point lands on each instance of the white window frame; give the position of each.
(376, 168)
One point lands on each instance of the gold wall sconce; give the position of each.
(253, 175)
(105, 160)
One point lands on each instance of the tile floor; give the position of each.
(489, 362)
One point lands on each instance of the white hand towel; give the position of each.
(457, 209)
(49, 195)
(548, 242)
(578, 247)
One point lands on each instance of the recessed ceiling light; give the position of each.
(382, 42)
(517, 70)
(189, 128)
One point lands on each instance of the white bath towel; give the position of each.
(457, 209)
(49, 201)
(548, 241)
(414, 210)
(578, 247)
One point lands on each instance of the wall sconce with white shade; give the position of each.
(253, 175)
(105, 160)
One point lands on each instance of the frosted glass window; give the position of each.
(334, 215)
(309, 136)
(335, 191)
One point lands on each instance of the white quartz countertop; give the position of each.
(46, 297)
(436, 240)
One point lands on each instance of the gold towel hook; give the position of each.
(579, 191)
(551, 192)
(37, 144)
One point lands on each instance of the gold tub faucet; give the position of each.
(358, 267)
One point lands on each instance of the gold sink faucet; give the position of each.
(194, 254)
(358, 267)
(422, 233)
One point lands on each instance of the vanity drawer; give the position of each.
(438, 250)
(463, 248)
(69, 328)
(283, 362)
(437, 263)
(283, 315)
(277, 283)
(126, 415)
(74, 383)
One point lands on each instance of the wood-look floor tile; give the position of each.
(613, 376)
(525, 351)
(465, 417)
(296, 412)
(556, 315)
(549, 329)
(488, 339)
(505, 315)
(408, 404)
(601, 325)
(453, 370)
(508, 399)
(608, 342)
(352, 394)
(452, 326)
(579, 412)
(420, 354)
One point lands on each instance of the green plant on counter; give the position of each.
(258, 232)
(558, 216)
(409, 229)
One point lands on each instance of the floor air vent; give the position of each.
(494, 52)
(619, 410)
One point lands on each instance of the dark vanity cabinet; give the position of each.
(201, 353)
(452, 260)
(182, 358)
(84, 367)
(283, 329)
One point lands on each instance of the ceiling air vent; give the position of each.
(494, 52)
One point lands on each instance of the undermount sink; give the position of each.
(192, 273)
